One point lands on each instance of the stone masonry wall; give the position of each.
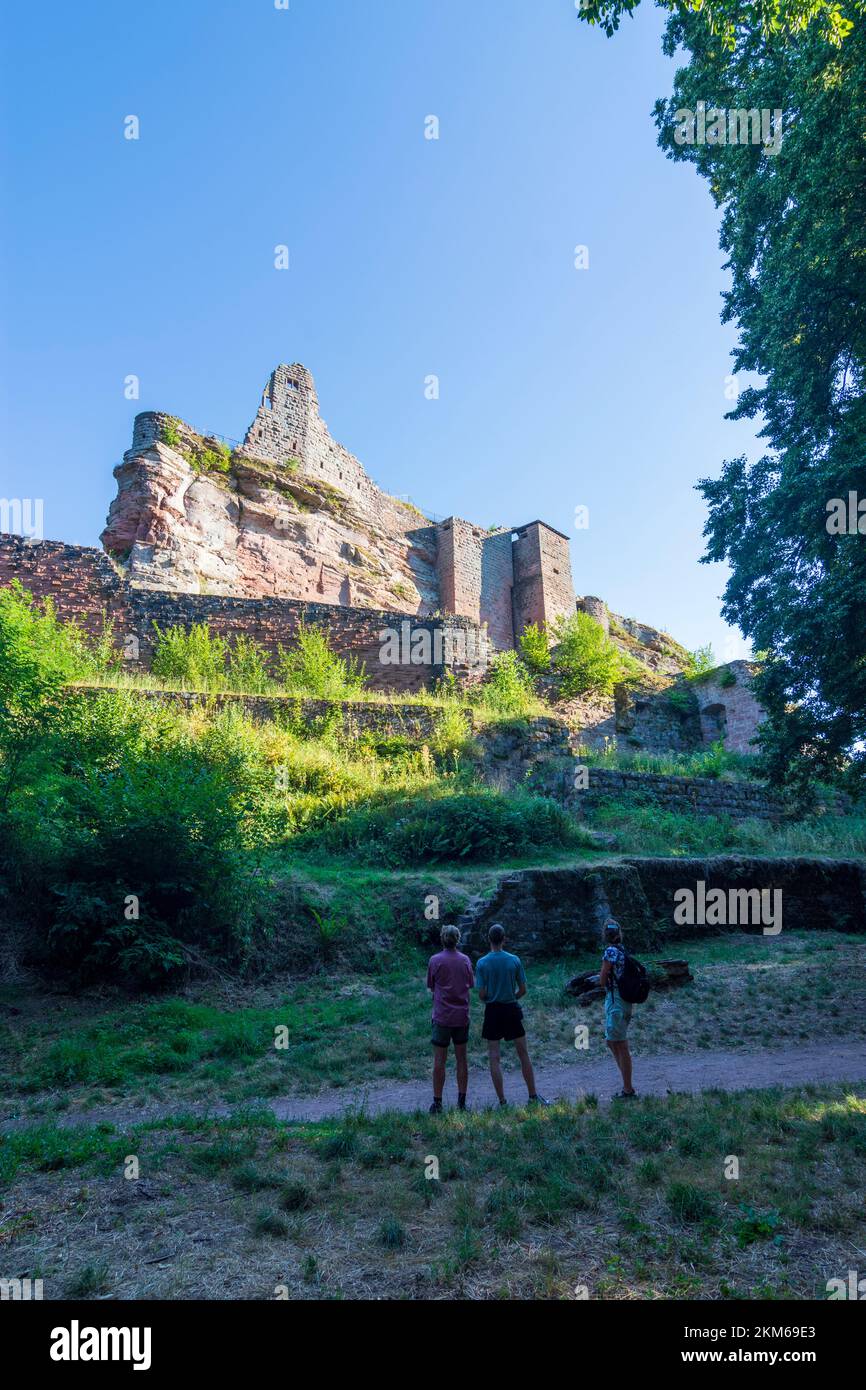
(556, 912)
(728, 707)
(543, 586)
(703, 796)
(84, 585)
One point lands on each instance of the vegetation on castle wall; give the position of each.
(584, 658)
(534, 643)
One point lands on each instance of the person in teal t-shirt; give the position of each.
(501, 980)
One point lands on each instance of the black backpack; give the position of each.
(633, 984)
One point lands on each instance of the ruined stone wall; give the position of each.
(357, 717)
(458, 567)
(728, 708)
(549, 912)
(84, 585)
(702, 796)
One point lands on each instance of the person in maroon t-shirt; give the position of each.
(450, 977)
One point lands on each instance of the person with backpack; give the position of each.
(625, 983)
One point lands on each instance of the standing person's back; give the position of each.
(450, 977)
(502, 974)
(501, 982)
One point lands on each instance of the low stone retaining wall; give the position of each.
(702, 796)
(560, 911)
(385, 719)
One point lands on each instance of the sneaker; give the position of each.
(537, 1100)
(436, 1108)
(624, 1095)
(461, 1105)
(503, 1105)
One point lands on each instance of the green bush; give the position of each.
(249, 666)
(508, 689)
(701, 662)
(38, 656)
(584, 658)
(471, 826)
(170, 432)
(194, 657)
(312, 667)
(535, 647)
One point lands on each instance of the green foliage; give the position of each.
(249, 666)
(312, 667)
(701, 662)
(681, 699)
(792, 233)
(828, 21)
(170, 432)
(535, 647)
(195, 657)
(584, 658)
(471, 826)
(38, 656)
(508, 689)
(129, 837)
(715, 761)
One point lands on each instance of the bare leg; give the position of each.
(462, 1067)
(525, 1065)
(622, 1057)
(439, 1055)
(624, 1061)
(496, 1069)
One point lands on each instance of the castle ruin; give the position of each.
(286, 527)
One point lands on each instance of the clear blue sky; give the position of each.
(409, 257)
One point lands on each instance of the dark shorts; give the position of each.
(443, 1035)
(503, 1021)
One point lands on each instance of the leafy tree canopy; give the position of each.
(793, 228)
(729, 18)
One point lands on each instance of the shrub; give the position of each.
(38, 655)
(195, 658)
(122, 844)
(248, 666)
(701, 662)
(508, 689)
(535, 647)
(312, 667)
(457, 826)
(585, 658)
(170, 432)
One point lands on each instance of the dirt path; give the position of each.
(658, 1075)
